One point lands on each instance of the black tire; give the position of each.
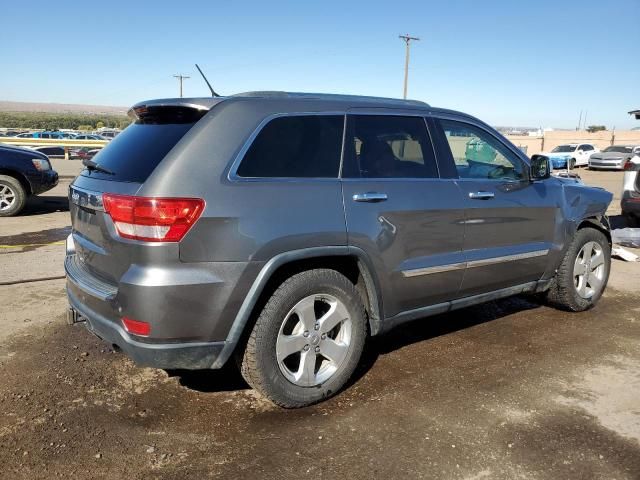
(18, 200)
(563, 293)
(260, 366)
(572, 163)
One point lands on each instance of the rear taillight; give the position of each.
(628, 165)
(152, 219)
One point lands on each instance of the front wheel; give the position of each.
(583, 274)
(12, 196)
(307, 341)
(572, 163)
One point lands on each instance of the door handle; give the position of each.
(370, 197)
(481, 195)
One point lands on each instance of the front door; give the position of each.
(398, 210)
(509, 221)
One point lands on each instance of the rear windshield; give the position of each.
(133, 154)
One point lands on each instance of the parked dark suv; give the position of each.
(286, 228)
(23, 172)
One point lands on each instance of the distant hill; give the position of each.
(8, 106)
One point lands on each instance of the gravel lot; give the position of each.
(506, 390)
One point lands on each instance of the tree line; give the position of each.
(55, 121)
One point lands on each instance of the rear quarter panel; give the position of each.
(244, 219)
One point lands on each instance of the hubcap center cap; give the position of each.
(315, 340)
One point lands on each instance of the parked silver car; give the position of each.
(285, 229)
(613, 157)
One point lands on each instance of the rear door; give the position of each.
(509, 221)
(400, 212)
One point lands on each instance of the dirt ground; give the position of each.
(508, 390)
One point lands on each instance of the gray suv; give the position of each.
(284, 229)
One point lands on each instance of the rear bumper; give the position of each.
(190, 316)
(157, 355)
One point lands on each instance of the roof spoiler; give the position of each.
(196, 105)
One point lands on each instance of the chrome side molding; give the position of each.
(473, 263)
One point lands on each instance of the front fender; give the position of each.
(579, 204)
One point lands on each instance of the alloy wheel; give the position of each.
(589, 270)
(314, 340)
(7, 197)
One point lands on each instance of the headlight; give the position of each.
(40, 164)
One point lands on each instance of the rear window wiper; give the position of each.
(91, 165)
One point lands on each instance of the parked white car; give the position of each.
(575, 154)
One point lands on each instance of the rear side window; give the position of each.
(386, 146)
(304, 146)
(136, 152)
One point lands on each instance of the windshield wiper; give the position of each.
(91, 165)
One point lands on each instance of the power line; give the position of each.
(180, 78)
(407, 40)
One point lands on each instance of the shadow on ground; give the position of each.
(40, 205)
(229, 378)
(618, 221)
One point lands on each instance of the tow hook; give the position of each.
(74, 317)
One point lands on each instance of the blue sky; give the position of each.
(528, 63)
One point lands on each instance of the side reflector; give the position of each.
(152, 219)
(136, 327)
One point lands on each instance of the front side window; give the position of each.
(386, 146)
(303, 146)
(477, 154)
(585, 148)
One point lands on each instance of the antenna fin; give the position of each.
(213, 92)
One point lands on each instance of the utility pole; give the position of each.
(579, 121)
(407, 40)
(180, 78)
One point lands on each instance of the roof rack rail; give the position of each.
(329, 96)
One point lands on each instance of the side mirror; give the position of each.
(540, 167)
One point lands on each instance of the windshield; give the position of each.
(619, 149)
(564, 149)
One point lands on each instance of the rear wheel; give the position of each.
(307, 341)
(12, 196)
(583, 274)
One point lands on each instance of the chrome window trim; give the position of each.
(474, 263)
(423, 113)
